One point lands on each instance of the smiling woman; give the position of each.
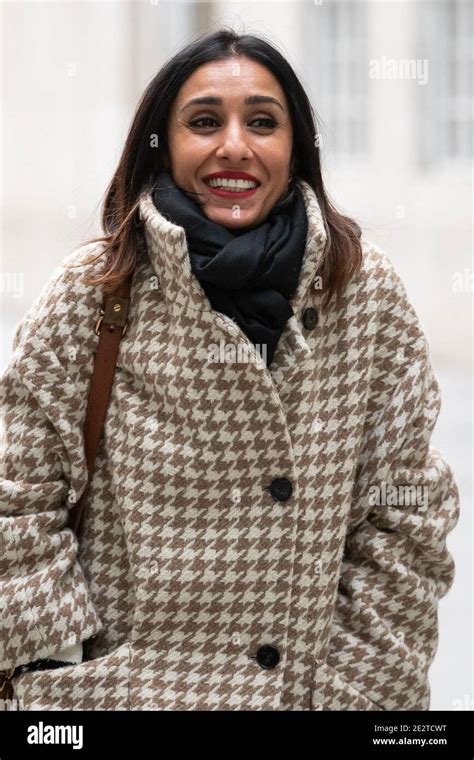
(233, 555)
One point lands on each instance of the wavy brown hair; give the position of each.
(141, 162)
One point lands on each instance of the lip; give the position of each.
(231, 175)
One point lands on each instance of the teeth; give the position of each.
(236, 185)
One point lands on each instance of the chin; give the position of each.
(226, 219)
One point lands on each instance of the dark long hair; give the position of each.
(141, 161)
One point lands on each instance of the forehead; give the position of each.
(232, 80)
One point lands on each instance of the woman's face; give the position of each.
(247, 142)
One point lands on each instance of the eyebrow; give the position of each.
(210, 100)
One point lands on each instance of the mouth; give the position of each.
(242, 186)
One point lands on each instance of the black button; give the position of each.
(310, 319)
(268, 656)
(281, 489)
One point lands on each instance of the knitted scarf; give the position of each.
(248, 275)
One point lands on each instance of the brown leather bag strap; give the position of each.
(110, 327)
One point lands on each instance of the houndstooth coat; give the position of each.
(256, 538)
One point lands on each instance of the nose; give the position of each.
(234, 142)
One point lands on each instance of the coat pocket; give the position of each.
(331, 691)
(98, 684)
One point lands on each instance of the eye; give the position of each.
(267, 122)
(195, 122)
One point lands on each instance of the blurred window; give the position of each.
(335, 52)
(444, 105)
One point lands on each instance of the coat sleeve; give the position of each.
(45, 603)
(396, 565)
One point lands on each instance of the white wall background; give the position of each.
(397, 157)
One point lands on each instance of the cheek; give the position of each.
(188, 153)
(189, 144)
(276, 155)
(182, 166)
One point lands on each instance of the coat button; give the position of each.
(268, 656)
(310, 319)
(281, 489)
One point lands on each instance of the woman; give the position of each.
(267, 520)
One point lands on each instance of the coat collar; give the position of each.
(169, 256)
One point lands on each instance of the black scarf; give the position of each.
(248, 275)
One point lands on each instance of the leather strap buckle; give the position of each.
(113, 314)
